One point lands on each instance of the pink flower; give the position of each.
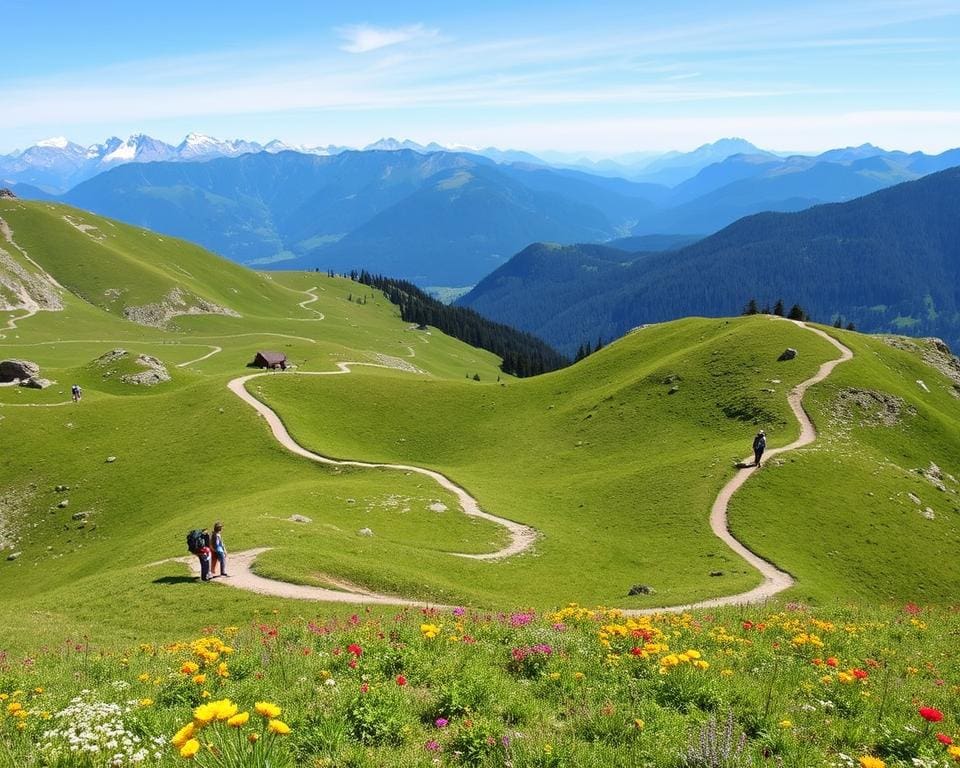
(441, 722)
(432, 746)
(401, 680)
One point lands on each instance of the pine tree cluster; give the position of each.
(523, 354)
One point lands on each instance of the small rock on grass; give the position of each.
(111, 459)
(14, 555)
(64, 504)
(640, 589)
(365, 532)
(300, 519)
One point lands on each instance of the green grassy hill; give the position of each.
(615, 461)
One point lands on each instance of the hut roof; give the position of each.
(272, 358)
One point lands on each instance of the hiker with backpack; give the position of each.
(759, 445)
(198, 542)
(219, 551)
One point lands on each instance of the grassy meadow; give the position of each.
(615, 462)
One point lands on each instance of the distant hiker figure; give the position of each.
(219, 550)
(198, 543)
(77, 394)
(759, 444)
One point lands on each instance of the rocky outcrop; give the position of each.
(175, 304)
(35, 382)
(788, 354)
(18, 370)
(7, 193)
(155, 372)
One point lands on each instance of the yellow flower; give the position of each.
(180, 737)
(14, 706)
(189, 749)
(954, 752)
(638, 723)
(223, 709)
(578, 675)
(701, 664)
(190, 668)
(204, 713)
(786, 724)
(200, 679)
(38, 690)
(222, 670)
(429, 631)
(267, 710)
(726, 672)
(868, 761)
(239, 720)
(693, 654)
(548, 749)
(144, 678)
(278, 727)
(146, 702)
(554, 675)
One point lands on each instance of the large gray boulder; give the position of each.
(13, 370)
(35, 382)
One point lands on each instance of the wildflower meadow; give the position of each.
(575, 687)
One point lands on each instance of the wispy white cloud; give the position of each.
(363, 38)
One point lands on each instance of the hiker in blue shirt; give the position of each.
(759, 444)
(219, 550)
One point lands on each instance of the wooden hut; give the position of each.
(273, 360)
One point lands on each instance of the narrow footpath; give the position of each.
(522, 537)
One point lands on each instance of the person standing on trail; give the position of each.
(759, 445)
(75, 391)
(219, 551)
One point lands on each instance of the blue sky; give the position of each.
(602, 77)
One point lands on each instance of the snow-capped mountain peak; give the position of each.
(56, 142)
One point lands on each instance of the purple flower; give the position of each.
(459, 611)
(441, 722)
(432, 746)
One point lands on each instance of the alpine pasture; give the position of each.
(614, 462)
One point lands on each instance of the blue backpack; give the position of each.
(197, 539)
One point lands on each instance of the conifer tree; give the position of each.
(797, 313)
(778, 308)
(751, 308)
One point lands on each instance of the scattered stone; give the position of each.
(640, 589)
(934, 476)
(365, 532)
(62, 488)
(35, 382)
(155, 373)
(673, 390)
(914, 498)
(8, 193)
(111, 459)
(672, 378)
(79, 515)
(64, 503)
(716, 573)
(351, 501)
(788, 354)
(923, 386)
(18, 370)
(438, 506)
(176, 303)
(299, 519)
(929, 514)
(14, 555)
(872, 407)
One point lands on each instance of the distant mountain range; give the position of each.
(429, 215)
(440, 218)
(887, 262)
(55, 165)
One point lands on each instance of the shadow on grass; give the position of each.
(176, 580)
(744, 464)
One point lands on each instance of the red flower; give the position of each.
(832, 661)
(364, 687)
(860, 674)
(818, 662)
(748, 625)
(355, 649)
(401, 680)
(944, 739)
(930, 714)
(636, 651)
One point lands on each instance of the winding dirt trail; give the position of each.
(774, 580)
(522, 537)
